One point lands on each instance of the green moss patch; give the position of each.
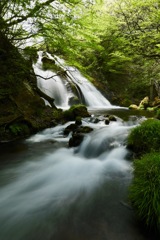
(76, 111)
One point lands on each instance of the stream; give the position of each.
(49, 191)
(53, 192)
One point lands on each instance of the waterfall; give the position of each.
(60, 87)
(93, 97)
(54, 86)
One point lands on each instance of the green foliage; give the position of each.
(146, 137)
(31, 53)
(19, 129)
(158, 114)
(145, 190)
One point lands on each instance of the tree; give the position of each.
(24, 19)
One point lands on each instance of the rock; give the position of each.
(94, 120)
(150, 109)
(74, 100)
(78, 135)
(144, 103)
(76, 139)
(78, 121)
(106, 115)
(84, 129)
(71, 128)
(47, 60)
(133, 107)
(156, 102)
(112, 118)
(76, 111)
(106, 121)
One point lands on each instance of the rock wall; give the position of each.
(22, 110)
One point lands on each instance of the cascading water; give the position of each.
(56, 86)
(69, 193)
(93, 98)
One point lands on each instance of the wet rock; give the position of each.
(76, 111)
(74, 100)
(78, 135)
(76, 139)
(112, 118)
(94, 120)
(71, 128)
(106, 121)
(78, 121)
(84, 129)
(133, 106)
(47, 60)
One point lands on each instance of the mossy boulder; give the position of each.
(76, 111)
(144, 192)
(74, 100)
(78, 121)
(78, 135)
(144, 103)
(133, 106)
(112, 118)
(145, 138)
(156, 102)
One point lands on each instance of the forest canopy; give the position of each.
(109, 40)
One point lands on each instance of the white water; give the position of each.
(93, 98)
(53, 87)
(44, 189)
(56, 86)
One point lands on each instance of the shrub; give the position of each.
(144, 191)
(145, 138)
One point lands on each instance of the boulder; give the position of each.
(133, 107)
(112, 118)
(78, 135)
(71, 128)
(144, 103)
(78, 121)
(94, 120)
(156, 102)
(106, 121)
(76, 139)
(76, 111)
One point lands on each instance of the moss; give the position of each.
(51, 65)
(79, 110)
(145, 138)
(145, 190)
(18, 129)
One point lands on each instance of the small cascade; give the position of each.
(56, 192)
(68, 89)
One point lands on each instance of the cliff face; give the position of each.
(22, 111)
